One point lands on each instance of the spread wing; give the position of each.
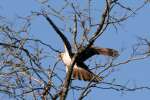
(91, 51)
(82, 72)
(62, 36)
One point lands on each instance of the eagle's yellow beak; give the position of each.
(60, 56)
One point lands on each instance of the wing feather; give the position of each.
(82, 72)
(91, 51)
(62, 36)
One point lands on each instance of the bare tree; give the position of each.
(23, 72)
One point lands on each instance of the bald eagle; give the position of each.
(80, 69)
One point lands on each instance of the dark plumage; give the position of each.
(80, 70)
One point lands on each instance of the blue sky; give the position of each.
(135, 72)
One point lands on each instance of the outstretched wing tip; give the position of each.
(108, 52)
(115, 53)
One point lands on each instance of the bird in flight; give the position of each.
(80, 69)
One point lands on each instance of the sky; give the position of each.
(135, 72)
